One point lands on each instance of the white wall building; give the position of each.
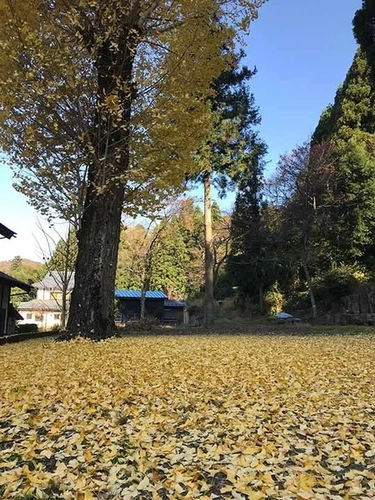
(45, 310)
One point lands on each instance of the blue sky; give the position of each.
(302, 49)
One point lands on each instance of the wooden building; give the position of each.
(174, 311)
(7, 313)
(130, 304)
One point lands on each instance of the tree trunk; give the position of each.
(261, 297)
(310, 289)
(146, 279)
(92, 304)
(143, 304)
(145, 287)
(65, 281)
(63, 307)
(209, 258)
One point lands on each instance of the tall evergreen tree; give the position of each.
(364, 30)
(192, 228)
(232, 145)
(248, 265)
(349, 124)
(169, 272)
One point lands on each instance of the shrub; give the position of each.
(298, 301)
(196, 314)
(144, 324)
(274, 300)
(27, 328)
(338, 282)
(55, 328)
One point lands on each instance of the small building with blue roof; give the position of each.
(130, 304)
(157, 306)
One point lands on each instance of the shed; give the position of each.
(6, 283)
(174, 311)
(130, 304)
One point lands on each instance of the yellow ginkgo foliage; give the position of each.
(237, 417)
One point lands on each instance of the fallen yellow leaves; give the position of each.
(254, 418)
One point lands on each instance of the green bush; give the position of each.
(298, 301)
(339, 282)
(274, 300)
(27, 328)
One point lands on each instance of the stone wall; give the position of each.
(355, 319)
(361, 303)
(357, 309)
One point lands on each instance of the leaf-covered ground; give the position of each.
(189, 417)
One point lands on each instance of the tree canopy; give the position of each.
(56, 118)
(364, 29)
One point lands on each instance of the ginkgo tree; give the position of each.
(103, 102)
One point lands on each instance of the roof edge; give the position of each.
(13, 282)
(6, 232)
(136, 294)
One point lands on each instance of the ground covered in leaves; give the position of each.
(246, 417)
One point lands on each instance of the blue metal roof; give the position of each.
(136, 294)
(174, 303)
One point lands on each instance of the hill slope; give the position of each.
(6, 265)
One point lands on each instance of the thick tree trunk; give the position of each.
(92, 304)
(209, 258)
(310, 289)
